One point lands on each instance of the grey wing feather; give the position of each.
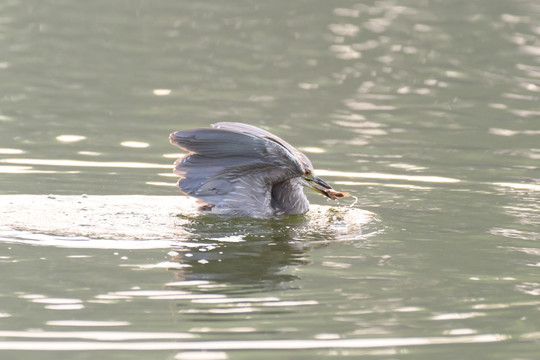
(217, 143)
(245, 129)
(227, 168)
(253, 130)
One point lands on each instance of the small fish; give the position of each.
(333, 194)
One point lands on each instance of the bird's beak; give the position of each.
(317, 184)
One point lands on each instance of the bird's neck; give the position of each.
(288, 197)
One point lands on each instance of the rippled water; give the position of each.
(427, 112)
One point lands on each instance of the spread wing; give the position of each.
(230, 168)
(255, 131)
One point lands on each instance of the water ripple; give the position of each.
(289, 344)
(82, 163)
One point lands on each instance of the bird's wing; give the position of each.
(227, 168)
(253, 130)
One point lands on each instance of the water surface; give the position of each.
(427, 112)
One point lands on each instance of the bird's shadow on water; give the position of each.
(255, 253)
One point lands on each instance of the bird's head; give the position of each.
(317, 184)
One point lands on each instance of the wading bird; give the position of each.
(240, 170)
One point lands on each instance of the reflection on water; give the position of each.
(434, 179)
(253, 253)
(258, 260)
(168, 218)
(70, 138)
(427, 112)
(82, 163)
(252, 345)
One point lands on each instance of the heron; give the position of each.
(241, 170)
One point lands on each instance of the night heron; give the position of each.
(241, 170)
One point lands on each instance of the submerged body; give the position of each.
(241, 170)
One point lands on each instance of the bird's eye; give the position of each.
(307, 172)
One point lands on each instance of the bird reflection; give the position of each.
(249, 253)
(256, 259)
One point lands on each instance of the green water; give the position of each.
(428, 112)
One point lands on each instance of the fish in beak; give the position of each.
(317, 184)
